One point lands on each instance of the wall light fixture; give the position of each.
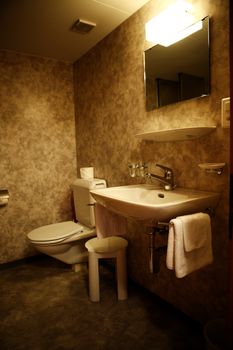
(173, 24)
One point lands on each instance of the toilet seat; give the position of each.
(55, 233)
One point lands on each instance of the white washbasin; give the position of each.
(149, 202)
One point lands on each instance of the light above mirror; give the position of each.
(175, 37)
(179, 71)
(171, 25)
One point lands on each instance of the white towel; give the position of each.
(189, 244)
(108, 223)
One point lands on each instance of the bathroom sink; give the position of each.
(149, 202)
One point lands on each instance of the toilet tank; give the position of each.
(84, 212)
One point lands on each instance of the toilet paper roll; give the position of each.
(4, 196)
(87, 173)
(3, 201)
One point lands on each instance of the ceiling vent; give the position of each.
(83, 27)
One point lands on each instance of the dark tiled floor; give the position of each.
(44, 305)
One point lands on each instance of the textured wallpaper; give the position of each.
(38, 131)
(37, 147)
(110, 111)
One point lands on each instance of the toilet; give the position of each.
(65, 241)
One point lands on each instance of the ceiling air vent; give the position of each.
(83, 27)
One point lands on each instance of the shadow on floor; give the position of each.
(45, 306)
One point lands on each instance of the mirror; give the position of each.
(178, 72)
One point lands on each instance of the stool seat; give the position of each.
(104, 248)
(106, 245)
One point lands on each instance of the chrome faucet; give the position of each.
(167, 179)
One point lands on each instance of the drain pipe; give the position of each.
(151, 236)
(156, 252)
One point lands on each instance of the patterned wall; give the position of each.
(110, 110)
(37, 147)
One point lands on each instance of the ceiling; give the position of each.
(42, 27)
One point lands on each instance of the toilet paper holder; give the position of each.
(4, 196)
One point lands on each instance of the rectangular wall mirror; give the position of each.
(178, 72)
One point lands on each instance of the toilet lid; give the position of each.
(55, 231)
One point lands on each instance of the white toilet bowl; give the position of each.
(64, 241)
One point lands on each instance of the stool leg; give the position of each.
(121, 275)
(94, 289)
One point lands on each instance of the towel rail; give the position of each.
(155, 252)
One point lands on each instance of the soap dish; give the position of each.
(216, 168)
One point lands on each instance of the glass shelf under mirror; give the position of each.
(180, 134)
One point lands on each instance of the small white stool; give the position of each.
(110, 247)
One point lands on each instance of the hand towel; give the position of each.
(189, 244)
(108, 223)
(196, 230)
